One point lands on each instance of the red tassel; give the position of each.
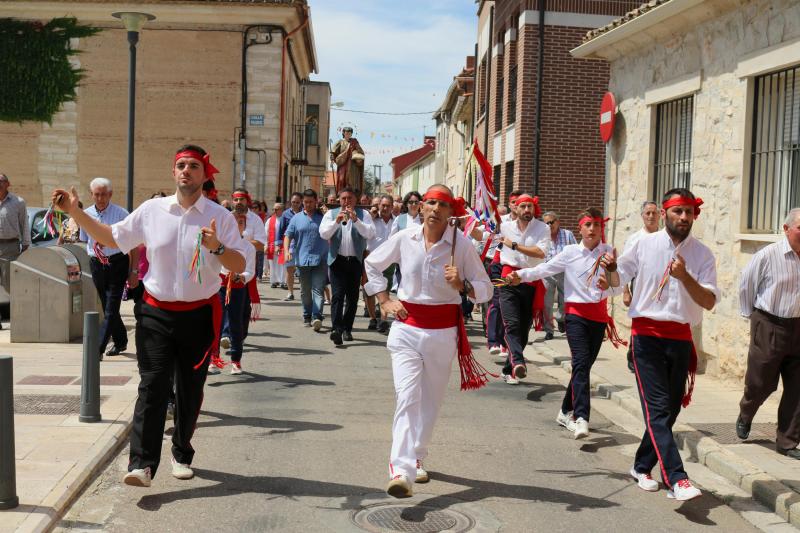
(687, 398)
(473, 375)
(538, 305)
(613, 334)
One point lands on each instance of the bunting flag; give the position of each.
(479, 170)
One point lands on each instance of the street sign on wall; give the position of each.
(256, 120)
(608, 116)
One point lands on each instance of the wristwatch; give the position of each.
(134, 271)
(218, 251)
(514, 246)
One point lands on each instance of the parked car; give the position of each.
(40, 236)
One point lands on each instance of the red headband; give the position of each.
(602, 222)
(244, 195)
(209, 169)
(457, 204)
(528, 199)
(684, 200)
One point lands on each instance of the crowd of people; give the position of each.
(420, 263)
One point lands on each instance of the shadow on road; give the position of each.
(543, 390)
(276, 426)
(247, 378)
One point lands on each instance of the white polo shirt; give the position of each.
(537, 233)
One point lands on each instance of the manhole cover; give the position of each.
(417, 518)
(726, 433)
(46, 380)
(41, 404)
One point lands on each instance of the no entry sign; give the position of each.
(608, 116)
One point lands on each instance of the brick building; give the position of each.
(565, 165)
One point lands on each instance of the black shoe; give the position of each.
(336, 337)
(114, 350)
(743, 431)
(307, 322)
(273, 285)
(347, 336)
(373, 324)
(548, 336)
(794, 453)
(383, 327)
(562, 327)
(366, 312)
(284, 286)
(630, 362)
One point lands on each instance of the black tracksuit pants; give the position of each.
(109, 280)
(516, 307)
(585, 337)
(345, 283)
(167, 343)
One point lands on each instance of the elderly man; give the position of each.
(110, 267)
(560, 238)
(277, 270)
(296, 205)
(15, 237)
(768, 294)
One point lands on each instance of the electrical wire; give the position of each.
(382, 112)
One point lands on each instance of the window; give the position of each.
(498, 117)
(496, 181)
(775, 156)
(509, 178)
(482, 86)
(512, 94)
(673, 156)
(312, 125)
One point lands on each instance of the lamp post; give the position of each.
(133, 23)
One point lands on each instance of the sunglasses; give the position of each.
(551, 222)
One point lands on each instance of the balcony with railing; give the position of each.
(298, 146)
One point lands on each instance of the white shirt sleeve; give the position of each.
(228, 234)
(707, 275)
(628, 264)
(365, 227)
(259, 231)
(129, 232)
(379, 260)
(250, 261)
(328, 226)
(556, 265)
(475, 273)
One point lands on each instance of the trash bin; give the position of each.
(46, 296)
(91, 301)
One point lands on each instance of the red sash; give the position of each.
(665, 329)
(441, 316)
(216, 318)
(271, 237)
(538, 298)
(596, 312)
(255, 300)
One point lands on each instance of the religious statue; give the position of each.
(349, 158)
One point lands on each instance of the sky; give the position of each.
(396, 56)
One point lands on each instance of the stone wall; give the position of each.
(712, 49)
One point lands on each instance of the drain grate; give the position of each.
(726, 433)
(41, 404)
(46, 380)
(418, 519)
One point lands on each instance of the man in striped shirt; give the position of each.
(561, 237)
(768, 294)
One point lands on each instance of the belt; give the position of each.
(779, 320)
(114, 257)
(348, 257)
(15, 239)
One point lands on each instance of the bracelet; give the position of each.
(610, 269)
(514, 246)
(218, 251)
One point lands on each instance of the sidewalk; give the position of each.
(56, 455)
(706, 429)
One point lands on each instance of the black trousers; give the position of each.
(662, 366)
(585, 337)
(345, 282)
(495, 332)
(516, 307)
(774, 353)
(168, 343)
(109, 280)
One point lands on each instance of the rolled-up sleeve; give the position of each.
(129, 232)
(379, 260)
(328, 226)
(707, 276)
(628, 265)
(475, 273)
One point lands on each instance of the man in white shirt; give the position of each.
(347, 229)
(769, 293)
(649, 214)
(676, 278)
(384, 224)
(179, 317)
(429, 327)
(525, 242)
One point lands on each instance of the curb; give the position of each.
(52, 509)
(762, 487)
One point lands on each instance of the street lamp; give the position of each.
(133, 23)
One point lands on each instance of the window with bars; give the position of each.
(673, 154)
(512, 94)
(509, 177)
(482, 86)
(498, 117)
(774, 186)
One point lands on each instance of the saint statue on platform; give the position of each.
(349, 158)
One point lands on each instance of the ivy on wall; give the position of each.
(36, 76)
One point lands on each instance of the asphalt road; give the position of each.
(300, 442)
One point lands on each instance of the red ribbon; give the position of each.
(528, 199)
(209, 169)
(601, 221)
(244, 195)
(684, 200)
(457, 204)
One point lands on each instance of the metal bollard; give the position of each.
(8, 469)
(90, 382)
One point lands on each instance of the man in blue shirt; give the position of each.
(296, 203)
(110, 268)
(310, 255)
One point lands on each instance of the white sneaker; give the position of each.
(494, 350)
(645, 481)
(138, 477)
(316, 324)
(213, 369)
(399, 487)
(181, 470)
(236, 368)
(564, 419)
(225, 342)
(422, 474)
(511, 380)
(503, 355)
(683, 490)
(581, 428)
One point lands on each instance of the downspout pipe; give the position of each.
(283, 90)
(539, 81)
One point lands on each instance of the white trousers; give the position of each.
(421, 364)
(277, 272)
